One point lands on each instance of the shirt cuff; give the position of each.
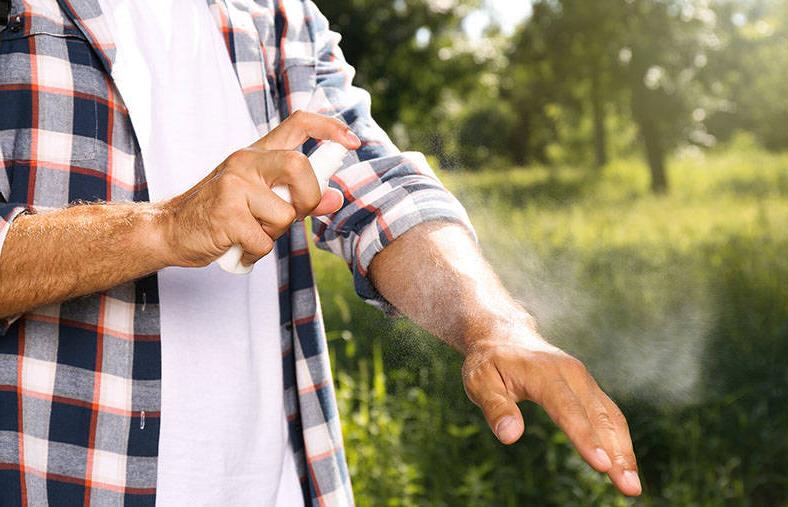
(385, 197)
(432, 203)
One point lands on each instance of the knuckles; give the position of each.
(624, 461)
(225, 202)
(294, 163)
(229, 183)
(261, 245)
(284, 218)
(603, 421)
(311, 201)
(267, 246)
(297, 168)
(618, 419)
(575, 366)
(298, 117)
(240, 161)
(280, 221)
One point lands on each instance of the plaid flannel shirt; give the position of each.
(80, 381)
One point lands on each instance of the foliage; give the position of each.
(641, 57)
(395, 47)
(757, 88)
(579, 82)
(678, 304)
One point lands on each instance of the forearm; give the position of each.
(436, 276)
(51, 257)
(54, 256)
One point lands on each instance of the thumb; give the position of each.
(504, 417)
(331, 201)
(487, 390)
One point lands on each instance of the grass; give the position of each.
(678, 304)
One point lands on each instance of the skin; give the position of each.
(234, 204)
(458, 297)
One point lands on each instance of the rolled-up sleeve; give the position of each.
(387, 192)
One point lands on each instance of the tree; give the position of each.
(402, 52)
(579, 41)
(647, 54)
(569, 49)
(665, 51)
(751, 71)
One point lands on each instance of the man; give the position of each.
(132, 369)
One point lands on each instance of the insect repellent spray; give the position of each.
(325, 160)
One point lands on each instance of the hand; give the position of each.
(501, 370)
(234, 204)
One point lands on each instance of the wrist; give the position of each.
(510, 327)
(151, 226)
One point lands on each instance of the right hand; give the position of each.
(234, 204)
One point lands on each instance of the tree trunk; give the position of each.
(655, 154)
(652, 139)
(519, 143)
(598, 114)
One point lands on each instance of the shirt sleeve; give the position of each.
(387, 192)
(8, 212)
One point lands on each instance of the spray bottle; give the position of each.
(326, 160)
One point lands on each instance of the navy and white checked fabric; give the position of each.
(80, 381)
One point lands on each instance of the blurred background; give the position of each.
(626, 165)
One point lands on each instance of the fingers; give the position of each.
(235, 205)
(504, 418)
(254, 241)
(497, 377)
(276, 215)
(564, 407)
(611, 428)
(300, 126)
(614, 432)
(255, 173)
(273, 214)
(293, 169)
(486, 389)
(266, 169)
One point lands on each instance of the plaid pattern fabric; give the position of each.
(80, 381)
(76, 379)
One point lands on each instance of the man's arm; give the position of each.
(59, 255)
(54, 256)
(436, 276)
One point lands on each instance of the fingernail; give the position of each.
(603, 458)
(506, 429)
(352, 137)
(632, 480)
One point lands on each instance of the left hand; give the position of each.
(513, 365)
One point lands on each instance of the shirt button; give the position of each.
(16, 23)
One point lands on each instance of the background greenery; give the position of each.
(625, 163)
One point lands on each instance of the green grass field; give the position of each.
(678, 304)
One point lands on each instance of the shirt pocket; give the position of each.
(51, 85)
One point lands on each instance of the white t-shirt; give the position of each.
(223, 437)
